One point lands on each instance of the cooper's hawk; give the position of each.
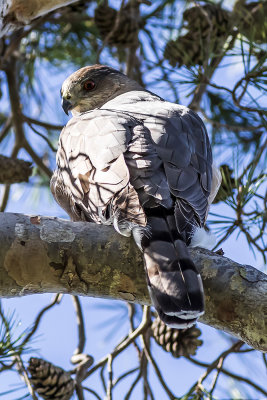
(131, 159)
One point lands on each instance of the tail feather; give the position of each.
(174, 283)
(175, 322)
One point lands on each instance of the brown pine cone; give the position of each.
(184, 51)
(208, 27)
(49, 381)
(105, 17)
(251, 20)
(178, 342)
(126, 32)
(204, 18)
(13, 170)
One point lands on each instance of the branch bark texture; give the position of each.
(13, 170)
(50, 255)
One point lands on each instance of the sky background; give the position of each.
(106, 321)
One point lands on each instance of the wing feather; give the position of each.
(91, 166)
(182, 143)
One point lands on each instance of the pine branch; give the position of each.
(224, 371)
(5, 197)
(207, 75)
(38, 160)
(80, 324)
(6, 193)
(46, 125)
(5, 129)
(156, 368)
(124, 343)
(42, 255)
(15, 103)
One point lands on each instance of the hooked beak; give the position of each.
(66, 105)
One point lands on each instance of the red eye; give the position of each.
(89, 85)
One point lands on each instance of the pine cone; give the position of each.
(184, 51)
(49, 381)
(126, 33)
(251, 20)
(179, 342)
(208, 17)
(208, 27)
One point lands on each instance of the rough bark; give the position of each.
(44, 254)
(16, 13)
(13, 170)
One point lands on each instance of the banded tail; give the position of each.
(174, 282)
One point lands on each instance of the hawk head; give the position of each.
(91, 87)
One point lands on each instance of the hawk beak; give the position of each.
(66, 105)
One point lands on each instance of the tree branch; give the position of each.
(207, 75)
(124, 343)
(15, 104)
(5, 129)
(49, 255)
(156, 368)
(5, 197)
(6, 192)
(46, 125)
(38, 160)
(231, 374)
(80, 324)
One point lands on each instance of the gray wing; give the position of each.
(182, 143)
(91, 168)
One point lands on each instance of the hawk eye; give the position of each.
(89, 85)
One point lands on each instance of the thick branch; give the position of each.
(42, 254)
(46, 125)
(15, 102)
(18, 119)
(5, 129)
(13, 170)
